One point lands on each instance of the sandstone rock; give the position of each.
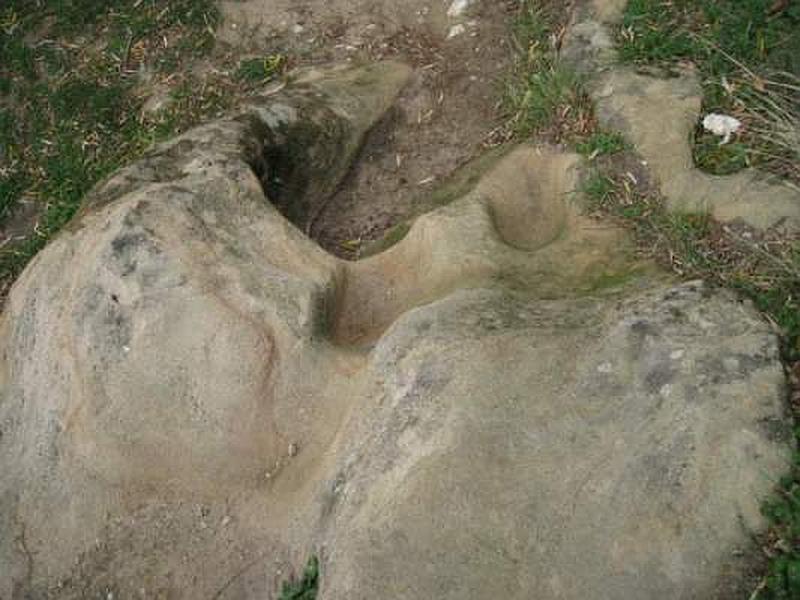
(505, 403)
(165, 324)
(559, 449)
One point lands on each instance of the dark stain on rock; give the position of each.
(676, 313)
(734, 367)
(658, 376)
(129, 249)
(640, 330)
(665, 468)
(330, 496)
(125, 242)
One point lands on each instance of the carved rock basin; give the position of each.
(504, 403)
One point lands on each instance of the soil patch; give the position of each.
(445, 117)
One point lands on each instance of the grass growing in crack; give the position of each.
(261, 70)
(783, 580)
(542, 95)
(718, 159)
(743, 48)
(598, 187)
(74, 76)
(306, 587)
(601, 143)
(765, 266)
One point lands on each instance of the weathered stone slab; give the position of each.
(506, 403)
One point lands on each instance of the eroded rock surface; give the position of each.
(505, 402)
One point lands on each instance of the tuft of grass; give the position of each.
(771, 108)
(543, 95)
(306, 587)
(712, 157)
(261, 70)
(602, 143)
(764, 266)
(782, 582)
(598, 187)
(680, 237)
(539, 97)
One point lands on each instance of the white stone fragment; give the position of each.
(455, 31)
(459, 7)
(723, 126)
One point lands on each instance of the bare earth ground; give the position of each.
(446, 116)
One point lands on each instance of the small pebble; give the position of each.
(455, 31)
(459, 7)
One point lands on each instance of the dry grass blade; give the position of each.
(773, 114)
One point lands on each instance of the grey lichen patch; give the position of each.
(733, 367)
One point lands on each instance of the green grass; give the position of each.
(71, 98)
(681, 236)
(598, 187)
(542, 95)
(140, 17)
(601, 143)
(304, 588)
(694, 245)
(537, 98)
(783, 580)
(261, 70)
(740, 47)
(712, 157)
(654, 31)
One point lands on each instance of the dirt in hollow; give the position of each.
(448, 114)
